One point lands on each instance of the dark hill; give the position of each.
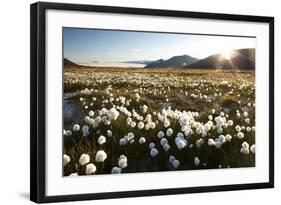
(67, 62)
(242, 59)
(174, 62)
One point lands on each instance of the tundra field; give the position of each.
(128, 120)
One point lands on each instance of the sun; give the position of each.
(227, 54)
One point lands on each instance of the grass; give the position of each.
(181, 89)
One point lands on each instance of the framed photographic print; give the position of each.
(129, 102)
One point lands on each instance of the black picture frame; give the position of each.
(38, 100)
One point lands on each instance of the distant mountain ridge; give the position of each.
(242, 59)
(173, 62)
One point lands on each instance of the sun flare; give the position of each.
(227, 54)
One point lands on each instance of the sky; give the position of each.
(86, 46)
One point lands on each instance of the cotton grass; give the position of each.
(84, 159)
(100, 156)
(66, 159)
(90, 169)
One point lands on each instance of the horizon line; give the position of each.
(127, 61)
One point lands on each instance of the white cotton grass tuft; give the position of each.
(253, 148)
(247, 120)
(166, 147)
(140, 125)
(180, 135)
(101, 140)
(230, 122)
(144, 108)
(166, 123)
(160, 134)
(116, 170)
(68, 133)
(240, 135)
(152, 125)
(147, 127)
(248, 129)
(66, 159)
(211, 142)
(123, 161)
(218, 143)
(228, 137)
(122, 141)
(137, 97)
(169, 132)
(176, 163)
(113, 114)
(199, 142)
(90, 169)
(180, 142)
(151, 145)
(129, 120)
(100, 156)
(154, 152)
(132, 141)
(238, 115)
(73, 174)
(245, 148)
(222, 139)
(85, 130)
(109, 133)
(130, 136)
(244, 151)
(91, 113)
(163, 141)
(196, 161)
(76, 127)
(84, 159)
(141, 140)
(171, 159)
(237, 128)
(133, 124)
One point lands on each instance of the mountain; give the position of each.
(242, 59)
(67, 62)
(174, 62)
(138, 62)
